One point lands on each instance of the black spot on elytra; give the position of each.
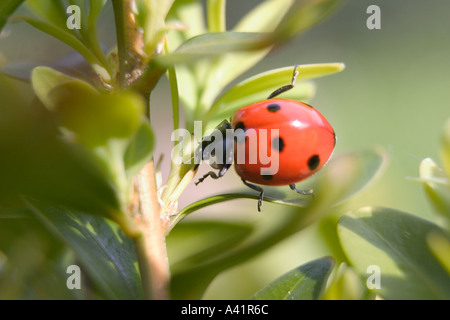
(239, 131)
(267, 177)
(313, 162)
(278, 144)
(274, 107)
(240, 125)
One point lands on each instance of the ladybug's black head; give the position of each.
(217, 148)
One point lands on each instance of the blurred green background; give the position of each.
(394, 93)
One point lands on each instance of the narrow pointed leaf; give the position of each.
(346, 284)
(192, 242)
(213, 45)
(7, 8)
(51, 11)
(105, 252)
(68, 38)
(259, 87)
(396, 243)
(272, 12)
(445, 148)
(440, 246)
(437, 187)
(38, 163)
(342, 178)
(269, 17)
(140, 149)
(302, 16)
(95, 117)
(306, 282)
(95, 8)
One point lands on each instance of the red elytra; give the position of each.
(302, 142)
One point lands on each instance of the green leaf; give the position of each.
(265, 17)
(328, 233)
(343, 178)
(440, 246)
(14, 213)
(95, 8)
(213, 76)
(190, 283)
(105, 252)
(272, 196)
(190, 14)
(152, 16)
(346, 284)
(62, 34)
(259, 87)
(105, 123)
(51, 11)
(140, 149)
(395, 242)
(306, 282)
(33, 262)
(445, 148)
(212, 45)
(192, 242)
(302, 16)
(38, 163)
(280, 21)
(96, 118)
(347, 175)
(437, 187)
(7, 8)
(45, 80)
(90, 37)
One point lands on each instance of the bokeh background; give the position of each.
(394, 93)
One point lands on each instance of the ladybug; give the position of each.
(302, 144)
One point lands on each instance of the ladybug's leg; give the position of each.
(213, 175)
(288, 87)
(256, 188)
(306, 192)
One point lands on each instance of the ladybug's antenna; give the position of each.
(288, 87)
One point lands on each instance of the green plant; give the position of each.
(78, 170)
(411, 253)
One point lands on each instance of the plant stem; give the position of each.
(216, 15)
(150, 243)
(129, 40)
(120, 34)
(175, 96)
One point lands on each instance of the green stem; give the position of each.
(216, 15)
(119, 12)
(174, 94)
(176, 182)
